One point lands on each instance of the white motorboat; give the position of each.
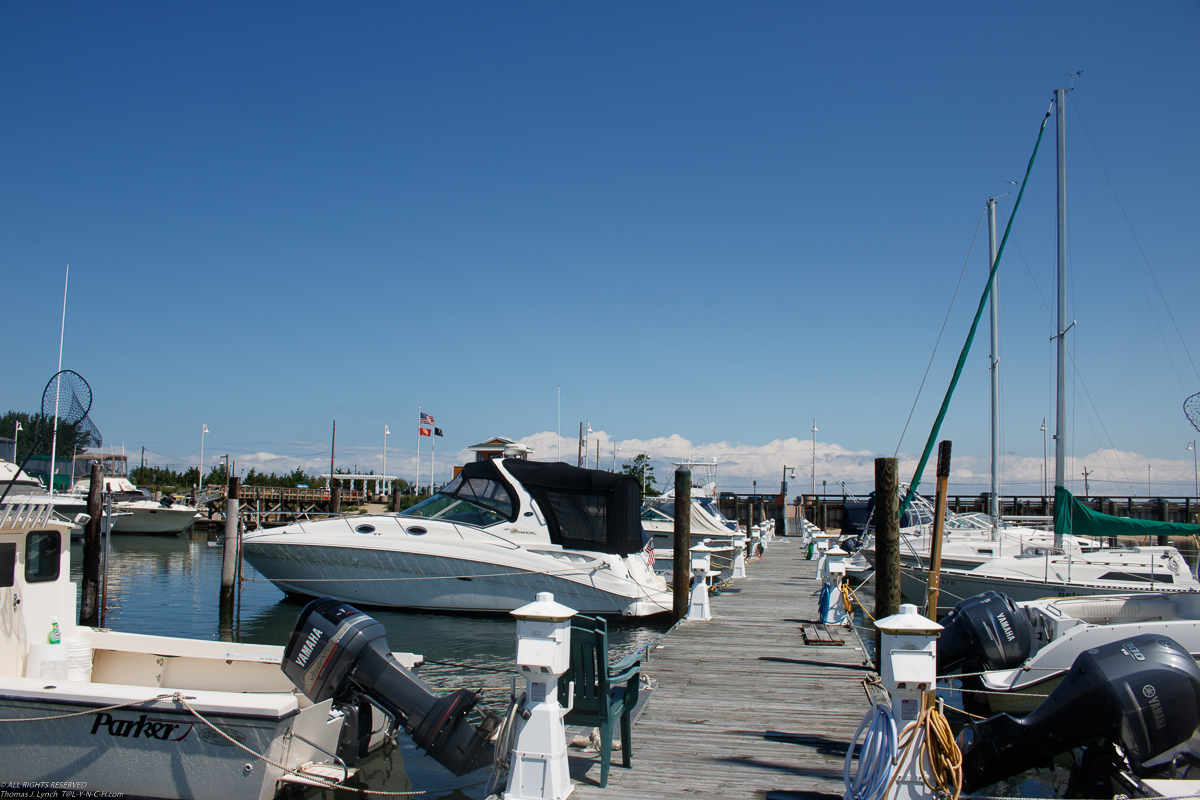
(149, 716)
(1057, 631)
(498, 533)
(27, 492)
(706, 517)
(1044, 572)
(138, 511)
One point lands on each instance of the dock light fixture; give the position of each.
(616, 447)
(814, 458)
(788, 472)
(203, 430)
(384, 479)
(1195, 466)
(16, 433)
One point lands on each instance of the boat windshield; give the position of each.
(475, 501)
(654, 515)
(710, 505)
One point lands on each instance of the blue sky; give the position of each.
(707, 221)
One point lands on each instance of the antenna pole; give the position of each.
(1060, 432)
(58, 381)
(994, 499)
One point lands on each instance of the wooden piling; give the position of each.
(939, 523)
(397, 493)
(89, 597)
(887, 543)
(335, 499)
(232, 549)
(682, 567)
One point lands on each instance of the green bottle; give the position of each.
(55, 634)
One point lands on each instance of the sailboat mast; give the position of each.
(994, 498)
(1060, 427)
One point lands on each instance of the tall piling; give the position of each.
(396, 494)
(335, 500)
(89, 591)
(681, 566)
(232, 552)
(887, 543)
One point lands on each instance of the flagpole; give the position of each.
(417, 481)
(432, 451)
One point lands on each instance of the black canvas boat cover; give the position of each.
(586, 509)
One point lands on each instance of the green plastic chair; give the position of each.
(603, 694)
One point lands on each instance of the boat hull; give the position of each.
(154, 520)
(957, 585)
(151, 750)
(444, 582)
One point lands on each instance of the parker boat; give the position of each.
(138, 511)
(497, 534)
(150, 716)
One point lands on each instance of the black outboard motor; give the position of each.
(984, 632)
(336, 651)
(1142, 693)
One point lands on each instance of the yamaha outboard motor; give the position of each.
(984, 632)
(338, 652)
(1141, 693)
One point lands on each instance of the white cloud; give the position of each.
(1110, 471)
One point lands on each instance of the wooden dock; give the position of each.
(744, 706)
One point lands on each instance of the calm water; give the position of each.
(170, 586)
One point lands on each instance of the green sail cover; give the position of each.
(1072, 516)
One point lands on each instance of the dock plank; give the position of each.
(744, 707)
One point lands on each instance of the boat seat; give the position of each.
(1102, 611)
(603, 694)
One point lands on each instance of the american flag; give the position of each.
(426, 419)
(650, 551)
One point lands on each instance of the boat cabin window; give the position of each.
(1138, 577)
(42, 550)
(475, 501)
(8, 565)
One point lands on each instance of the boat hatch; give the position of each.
(365, 528)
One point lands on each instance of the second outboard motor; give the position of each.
(336, 651)
(984, 632)
(1142, 693)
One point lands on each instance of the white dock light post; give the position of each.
(833, 572)
(539, 768)
(908, 661)
(700, 609)
(203, 430)
(739, 554)
(17, 432)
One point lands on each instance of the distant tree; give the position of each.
(68, 437)
(641, 469)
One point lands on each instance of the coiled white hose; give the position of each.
(875, 759)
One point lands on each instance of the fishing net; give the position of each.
(1191, 407)
(67, 397)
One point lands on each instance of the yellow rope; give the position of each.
(848, 593)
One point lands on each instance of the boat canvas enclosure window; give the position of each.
(584, 509)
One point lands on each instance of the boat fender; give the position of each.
(823, 602)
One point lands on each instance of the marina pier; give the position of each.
(758, 702)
